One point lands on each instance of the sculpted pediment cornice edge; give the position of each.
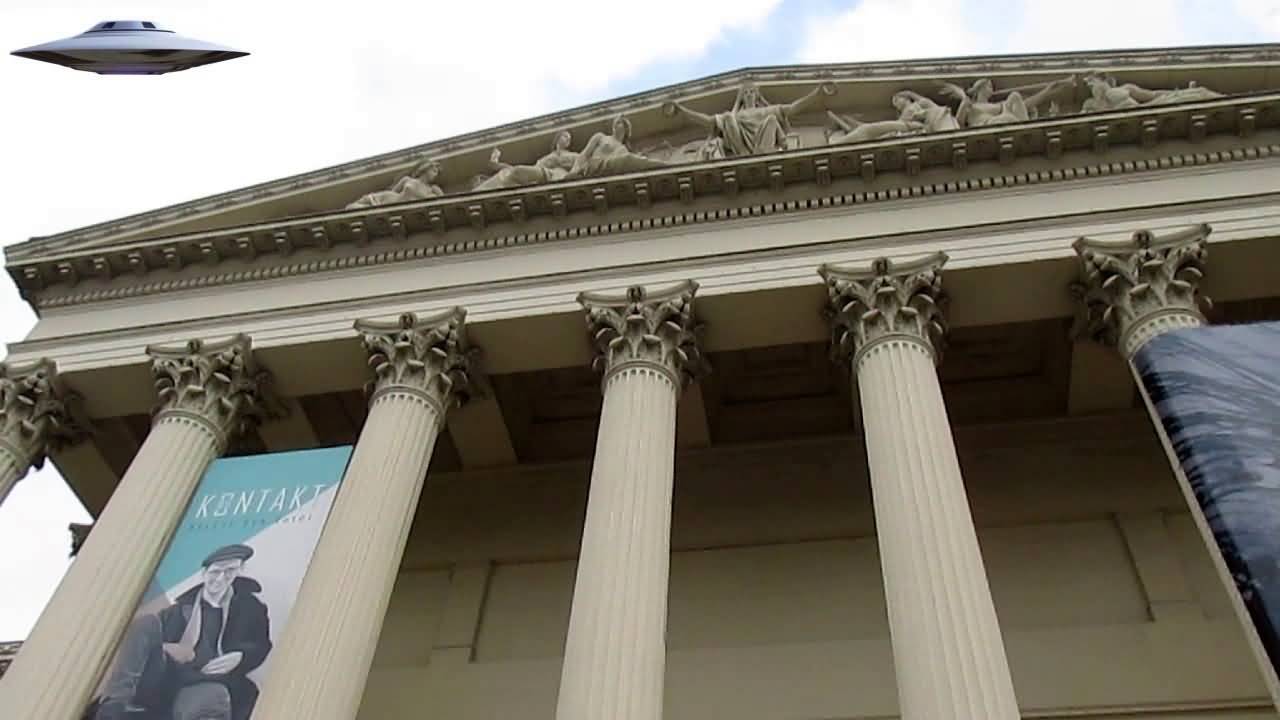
(102, 235)
(497, 219)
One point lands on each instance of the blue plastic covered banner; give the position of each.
(1216, 392)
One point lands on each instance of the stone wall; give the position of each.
(1108, 602)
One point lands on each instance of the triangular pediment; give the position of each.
(690, 124)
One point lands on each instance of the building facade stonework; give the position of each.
(797, 392)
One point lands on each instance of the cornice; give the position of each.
(940, 68)
(492, 221)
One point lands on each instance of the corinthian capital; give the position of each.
(645, 328)
(1135, 289)
(215, 384)
(427, 357)
(885, 300)
(36, 415)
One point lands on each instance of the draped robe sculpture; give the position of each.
(979, 109)
(608, 154)
(551, 167)
(753, 125)
(1105, 94)
(419, 184)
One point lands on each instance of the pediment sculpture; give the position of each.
(754, 126)
(1106, 94)
(608, 154)
(551, 167)
(982, 105)
(419, 184)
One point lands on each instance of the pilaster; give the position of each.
(421, 367)
(207, 391)
(1135, 289)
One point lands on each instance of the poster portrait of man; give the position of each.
(200, 641)
(191, 660)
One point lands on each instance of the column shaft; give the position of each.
(321, 664)
(616, 651)
(615, 654)
(947, 647)
(319, 669)
(67, 652)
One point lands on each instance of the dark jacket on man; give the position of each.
(246, 629)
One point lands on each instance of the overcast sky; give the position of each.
(329, 82)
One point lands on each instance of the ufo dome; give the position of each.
(129, 47)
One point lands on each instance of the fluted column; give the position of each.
(947, 649)
(615, 652)
(35, 418)
(208, 391)
(1136, 289)
(319, 668)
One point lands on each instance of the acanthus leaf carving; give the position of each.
(217, 384)
(650, 328)
(428, 357)
(886, 300)
(1132, 286)
(37, 415)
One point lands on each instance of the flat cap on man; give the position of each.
(228, 552)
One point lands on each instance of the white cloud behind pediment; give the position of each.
(900, 29)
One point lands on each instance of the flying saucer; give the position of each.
(129, 47)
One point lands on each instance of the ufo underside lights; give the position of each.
(129, 47)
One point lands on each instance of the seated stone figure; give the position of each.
(419, 184)
(754, 125)
(1105, 94)
(551, 167)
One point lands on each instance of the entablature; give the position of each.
(1141, 140)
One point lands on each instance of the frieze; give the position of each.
(1072, 63)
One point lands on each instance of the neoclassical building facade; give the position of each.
(796, 392)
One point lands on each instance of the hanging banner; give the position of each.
(200, 642)
(1215, 392)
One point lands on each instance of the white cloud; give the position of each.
(898, 29)
(1264, 14)
(890, 30)
(327, 82)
